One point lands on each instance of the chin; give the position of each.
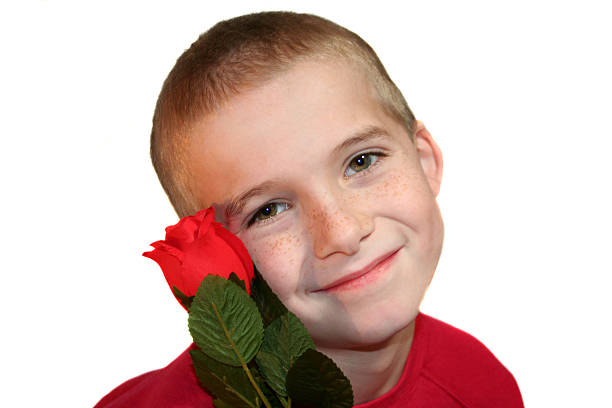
(364, 334)
(386, 329)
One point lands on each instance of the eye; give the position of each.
(267, 212)
(362, 162)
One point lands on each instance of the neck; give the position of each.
(375, 369)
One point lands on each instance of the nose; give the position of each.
(338, 225)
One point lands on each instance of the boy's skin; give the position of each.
(337, 215)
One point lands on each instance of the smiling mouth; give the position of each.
(363, 276)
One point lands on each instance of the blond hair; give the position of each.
(242, 53)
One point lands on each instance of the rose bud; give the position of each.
(198, 246)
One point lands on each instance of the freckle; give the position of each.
(395, 185)
(273, 245)
(282, 244)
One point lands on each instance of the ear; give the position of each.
(430, 156)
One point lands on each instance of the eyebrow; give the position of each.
(236, 205)
(362, 135)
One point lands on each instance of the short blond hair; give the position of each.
(243, 53)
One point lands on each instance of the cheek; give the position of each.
(394, 188)
(403, 193)
(277, 258)
(406, 197)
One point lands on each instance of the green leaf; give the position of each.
(315, 380)
(224, 321)
(265, 388)
(271, 396)
(267, 302)
(284, 341)
(221, 404)
(183, 298)
(225, 382)
(234, 278)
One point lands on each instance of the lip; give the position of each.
(355, 279)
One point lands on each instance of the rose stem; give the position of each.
(244, 366)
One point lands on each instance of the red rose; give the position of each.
(198, 246)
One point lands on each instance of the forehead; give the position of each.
(281, 129)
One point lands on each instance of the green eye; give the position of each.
(268, 211)
(361, 162)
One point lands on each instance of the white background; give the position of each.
(517, 94)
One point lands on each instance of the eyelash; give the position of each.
(378, 154)
(253, 219)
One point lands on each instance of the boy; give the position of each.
(291, 128)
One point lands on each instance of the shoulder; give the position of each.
(466, 368)
(174, 386)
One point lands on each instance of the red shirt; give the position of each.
(446, 367)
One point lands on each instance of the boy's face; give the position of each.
(334, 202)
